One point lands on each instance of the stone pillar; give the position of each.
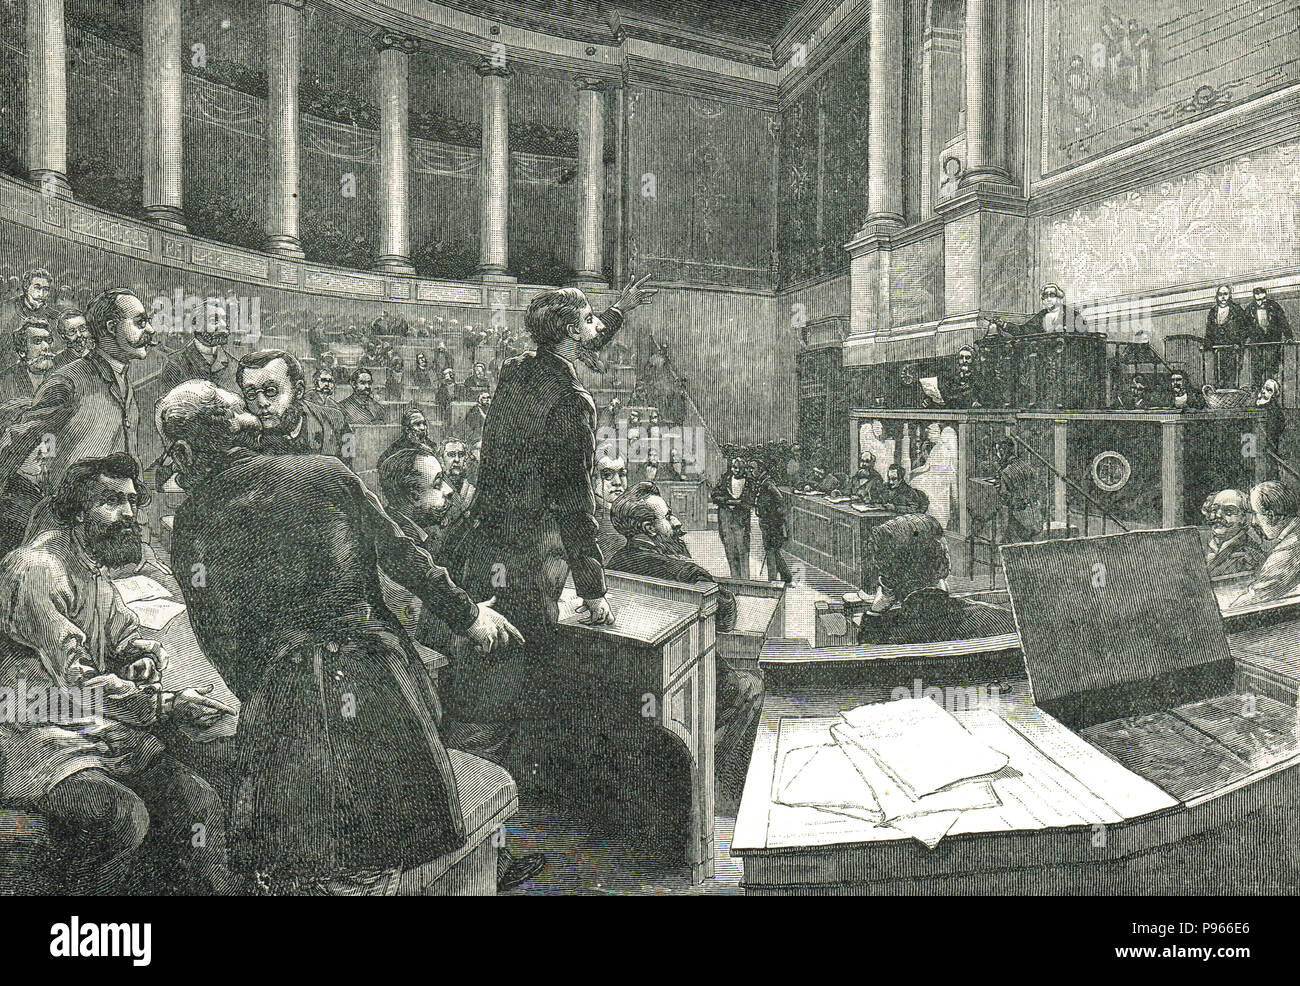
(283, 62)
(494, 256)
(162, 114)
(591, 182)
(47, 98)
(985, 45)
(395, 51)
(885, 115)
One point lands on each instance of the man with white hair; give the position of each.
(342, 770)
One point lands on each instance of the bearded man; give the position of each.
(275, 392)
(103, 778)
(656, 548)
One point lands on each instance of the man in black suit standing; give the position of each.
(1266, 322)
(532, 520)
(735, 494)
(1226, 330)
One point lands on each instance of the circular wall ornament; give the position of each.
(1111, 471)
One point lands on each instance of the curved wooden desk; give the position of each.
(1073, 820)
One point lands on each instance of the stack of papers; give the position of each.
(908, 765)
(149, 600)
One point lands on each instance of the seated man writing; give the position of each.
(101, 776)
(655, 548)
(911, 605)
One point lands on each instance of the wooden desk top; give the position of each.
(638, 618)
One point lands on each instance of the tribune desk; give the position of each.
(832, 536)
(654, 667)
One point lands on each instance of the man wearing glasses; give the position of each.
(275, 391)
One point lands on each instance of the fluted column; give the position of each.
(47, 97)
(395, 51)
(283, 62)
(494, 256)
(591, 180)
(985, 49)
(162, 113)
(885, 114)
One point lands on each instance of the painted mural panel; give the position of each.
(1117, 74)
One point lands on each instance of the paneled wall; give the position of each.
(739, 370)
(700, 188)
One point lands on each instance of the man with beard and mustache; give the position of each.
(343, 776)
(455, 456)
(32, 343)
(275, 392)
(414, 436)
(1233, 548)
(323, 394)
(360, 406)
(205, 357)
(105, 782)
(71, 326)
(656, 548)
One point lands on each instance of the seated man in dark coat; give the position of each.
(414, 435)
(655, 547)
(911, 605)
(899, 496)
(342, 772)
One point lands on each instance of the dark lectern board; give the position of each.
(1120, 625)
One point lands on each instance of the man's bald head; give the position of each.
(201, 422)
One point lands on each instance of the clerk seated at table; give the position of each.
(655, 548)
(911, 605)
(821, 481)
(867, 482)
(1182, 399)
(899, 496)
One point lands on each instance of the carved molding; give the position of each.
(404, 43)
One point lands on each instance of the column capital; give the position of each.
(590, 83)
(398, 42)
(291, 4)
(488, 68)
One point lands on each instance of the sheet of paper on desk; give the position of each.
(896, 803)
(920, 745)
(138, 587)
(823, 777)
(155, 614)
